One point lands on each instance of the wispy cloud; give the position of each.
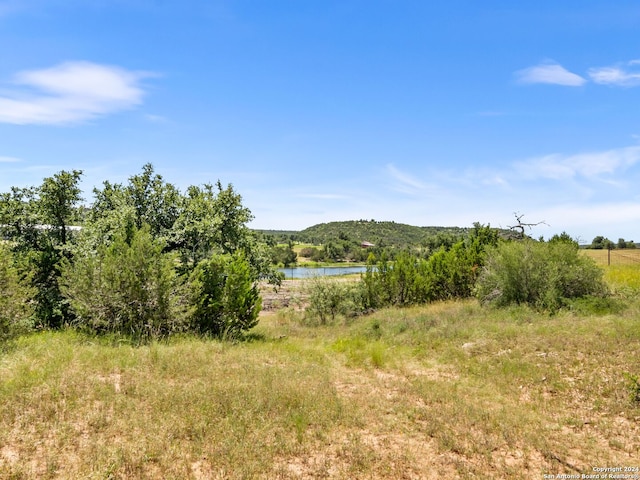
(550, 73)
(590, 165)
(624, 75)
(404, 182)
(72, 92)
(620, 75)
(156, 118)
(9, 160)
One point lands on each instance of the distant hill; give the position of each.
(279, 234)
(378, 233)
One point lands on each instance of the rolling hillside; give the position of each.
(379, 233)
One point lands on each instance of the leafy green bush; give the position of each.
(307, 252)
(224, 296)
(16, 300)
(283, 255)
(138, 243)
(330, 298)
(447, 273)
(40, 250)
(633, 387)
(128, 288)
(543, 275)
(590, 305)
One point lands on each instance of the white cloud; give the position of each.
(71, 92)
(550, 73)
(616, 75)
(404, 182)
(9, 160)
(591, 165)
(495, 180)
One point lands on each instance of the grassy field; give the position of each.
(449, 390)
(615, 257)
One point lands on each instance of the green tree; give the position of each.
(58, 197)
(207, 220)
(127, 287)
(149, 218)
(601, 242)
(147, 199)
(283, 255)
(333, 250)
(446, 273)
(330, 298)
(224, 295)
(212, 221)
(19, 217)
(16, 304)
(543, 275)
(196, 230)
(564, 237)
(156, 202)
(37, 221)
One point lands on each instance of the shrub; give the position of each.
(411, 280)
(16, 300)
(590, 305)
(330, 298)
(307, 252)
(543, 275)
(128, 288)
(633, 387)
(283, 255)
(224, 296)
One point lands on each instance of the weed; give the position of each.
(377, 353)
(633, 387)
(389, 395)
(591, 305)
(375, 330)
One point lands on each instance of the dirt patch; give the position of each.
(289, 294)
(9, 455)
(114, 379)
(367, 454)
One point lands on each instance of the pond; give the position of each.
(309, 272)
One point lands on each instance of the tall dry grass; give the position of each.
(449, 390)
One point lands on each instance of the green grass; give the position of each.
(624, 279)
(73, 407)
(449, 390)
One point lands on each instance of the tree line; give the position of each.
(151, 261)
(546, 275)
(148, 261)
(344, 247)
(380, 233)
(603, 243)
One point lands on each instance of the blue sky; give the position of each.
(421, 112)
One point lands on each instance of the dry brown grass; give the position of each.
(625, 256)
(449, 390)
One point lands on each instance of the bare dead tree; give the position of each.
(519, 229)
